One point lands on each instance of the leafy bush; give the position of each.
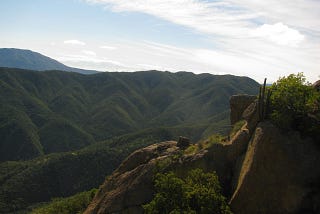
(292, 99)
(71, 205)
(191, 149)
(213, 139)
(198, 193)
(236, 127)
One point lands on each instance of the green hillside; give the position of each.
(63, 133)
(58, 111)
(23, 183)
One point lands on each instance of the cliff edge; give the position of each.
(279, 174)
(261, 169)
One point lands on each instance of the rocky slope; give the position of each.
(278, 174)
(260, 169)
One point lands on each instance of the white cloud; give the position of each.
(203, 16)
(108, 47)
(89, 61)
(239, 57)
(245, 37)
(253, 38)
(227, 18)
(90, 53)
(142, 66)
(83, 58)
(279, 33)
(74, 42)
(301, 14)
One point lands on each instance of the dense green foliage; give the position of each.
(71, 205)
(60, 111)
(78, 128)
(295, 104)
(58, 175)
(199, 193)
(23, 183)
(60, 135)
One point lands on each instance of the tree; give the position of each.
(292, 99)
(199, 193)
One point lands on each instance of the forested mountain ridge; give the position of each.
(66, 124)
(23, 183)
(57, 111)
(258, 153)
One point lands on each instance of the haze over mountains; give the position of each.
(159, 107)
(74, 123)
(27, 59)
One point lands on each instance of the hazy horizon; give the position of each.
(245, 38)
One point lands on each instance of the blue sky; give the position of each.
(248, 38)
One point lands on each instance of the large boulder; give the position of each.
(183, 142)
(278, 174)
(238, 104)
(131, 185)
(251, 116)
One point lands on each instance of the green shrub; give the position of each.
(292, 99)
(191, 149)
(213, 139)
(236, 127)
(71, 205)
(198, 193)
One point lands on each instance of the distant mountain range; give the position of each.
(26, 59)
(63, 132)
(58, 111)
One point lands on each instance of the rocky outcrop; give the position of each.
(261, 170)
(278, 174)
(251, 116)
(183, 142)
(238, 104)
(130, 186)
(316, 85)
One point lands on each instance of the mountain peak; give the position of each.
(27, 59)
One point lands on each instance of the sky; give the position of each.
(259, 39)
